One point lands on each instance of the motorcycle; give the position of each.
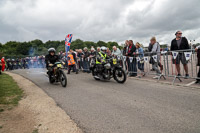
(57, 75)
(107, 70)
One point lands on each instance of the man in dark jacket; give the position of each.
(86, 63)
(50, 60)
(180, 43)
(132, 64)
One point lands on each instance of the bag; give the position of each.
(142, 61)
(151, 61)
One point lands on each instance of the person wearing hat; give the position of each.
(180, 43)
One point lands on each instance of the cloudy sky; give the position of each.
(94, 20)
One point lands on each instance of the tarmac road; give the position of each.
(133, 107)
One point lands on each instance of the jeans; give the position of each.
(155, 67)
(141, 66)
(70, 67)
(132, 67)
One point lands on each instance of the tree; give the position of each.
(89, 44)
(77, 44)
(111, 44)
(101, 43)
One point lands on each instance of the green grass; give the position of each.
(35, 131)
(10, 93)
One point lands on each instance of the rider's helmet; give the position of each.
(51, 50)
(103, 49)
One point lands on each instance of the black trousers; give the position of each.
(72, 67)
(198, 75)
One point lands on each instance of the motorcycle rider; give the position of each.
(101, 59)
(50, 60)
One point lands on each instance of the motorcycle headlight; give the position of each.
(107, 66)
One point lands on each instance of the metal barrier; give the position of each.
(181, 57)
(168, 61)
(144, 59)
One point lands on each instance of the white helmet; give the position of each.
(51, 50)
(103, 48)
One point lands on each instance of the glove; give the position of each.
(50, 65)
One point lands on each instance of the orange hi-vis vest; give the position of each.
(71, 60)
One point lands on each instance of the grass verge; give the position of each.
(10, 93)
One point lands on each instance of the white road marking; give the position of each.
(190, 83)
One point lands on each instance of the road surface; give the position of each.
(133, 107)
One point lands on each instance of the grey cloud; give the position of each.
(111, 20)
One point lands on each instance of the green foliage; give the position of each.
(13, 49)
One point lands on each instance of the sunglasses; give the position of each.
(179, 33)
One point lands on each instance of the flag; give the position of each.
(131, 59)
(124, 58)
(146, 59)
(188, 55)
(155, 57)
(68, 40)
(174, 54)
(138, 59)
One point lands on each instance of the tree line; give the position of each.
(13, 49)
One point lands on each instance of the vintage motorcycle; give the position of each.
(107, 70)
(56, 74)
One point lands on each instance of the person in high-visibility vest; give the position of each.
(101, 56)
(71, 63)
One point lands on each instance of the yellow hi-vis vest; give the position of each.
(103, 58)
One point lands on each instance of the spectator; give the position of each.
(108, 52)
(86, 63)
(155, 51)
(125, 53)
(180, 43)
(139, 51)
(116, 52)
(132, 65)
(74, 54)
(197, 49)
(92, 52)
(71, 62)
(0, 66)
(80, 59)
(98, 49)
(3, 64)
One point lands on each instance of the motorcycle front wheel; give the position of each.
(119, 75)
(63, 79)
